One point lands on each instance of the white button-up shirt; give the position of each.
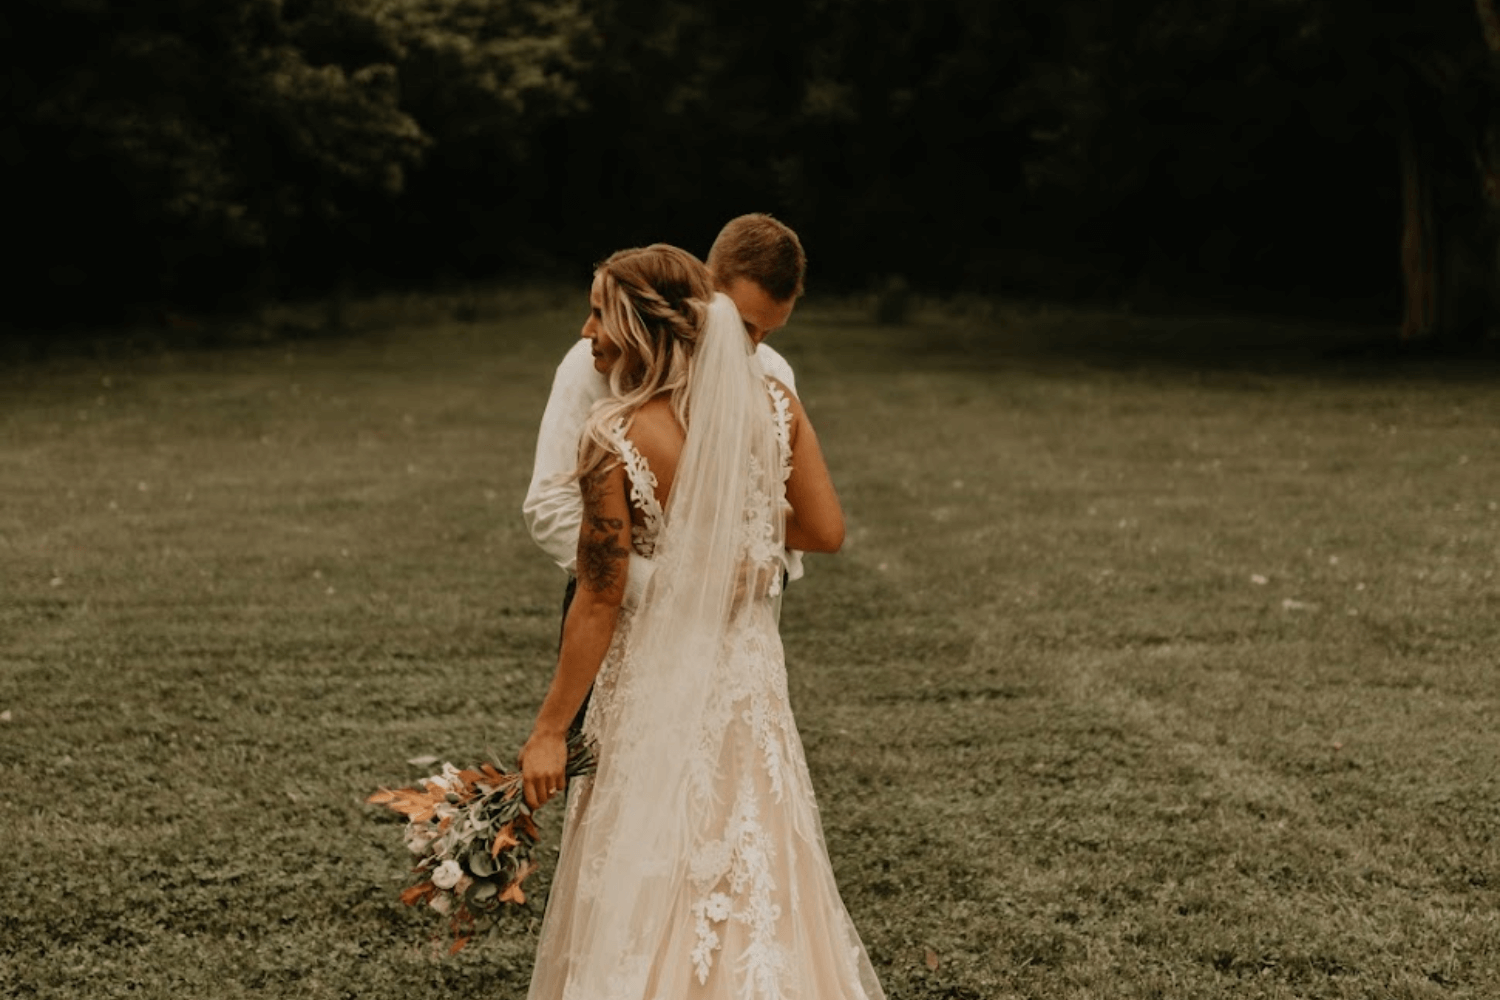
(554, 504)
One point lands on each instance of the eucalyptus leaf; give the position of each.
(480, 863)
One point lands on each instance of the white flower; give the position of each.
(447, 874)
(710, 862)
(418, 839)
(716, 907)
(448, 781)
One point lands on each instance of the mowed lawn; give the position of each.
(1167, 666)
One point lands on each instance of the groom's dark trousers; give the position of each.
(568, 595)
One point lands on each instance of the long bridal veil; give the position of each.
(720, 544)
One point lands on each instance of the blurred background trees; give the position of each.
(200, 151)
(1282, 152)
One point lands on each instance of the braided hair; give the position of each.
(655, 304)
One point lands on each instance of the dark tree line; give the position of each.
(211, 152)
(209, 149)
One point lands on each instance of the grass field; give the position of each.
(1161, 660)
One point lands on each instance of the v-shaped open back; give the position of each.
(648, 505)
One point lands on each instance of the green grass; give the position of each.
(1161, 660)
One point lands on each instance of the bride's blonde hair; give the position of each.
(655, 302)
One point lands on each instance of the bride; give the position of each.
(693, 863)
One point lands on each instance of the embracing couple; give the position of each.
(677, 479)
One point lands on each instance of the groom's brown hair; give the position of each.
(760, 249)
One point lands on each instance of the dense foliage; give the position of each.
(197, 148)
(206, 151)
(1288, 144)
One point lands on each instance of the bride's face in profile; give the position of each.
(606, 352)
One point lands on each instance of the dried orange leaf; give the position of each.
(416, 804)
(418, 893)
(504, 837)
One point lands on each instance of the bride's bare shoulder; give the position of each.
(655, 432)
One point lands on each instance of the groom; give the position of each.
(758, 262)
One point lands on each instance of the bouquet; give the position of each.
(473, 836)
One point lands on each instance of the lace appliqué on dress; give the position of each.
(783, 426)
(737, 868)
(756, 915)
(763, 550)
(613, 683)
(642, 492)
(758, 536)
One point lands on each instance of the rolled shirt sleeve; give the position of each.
(553, 508)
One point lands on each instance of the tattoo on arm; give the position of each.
(601, 556)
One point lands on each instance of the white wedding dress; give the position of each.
(730, 895)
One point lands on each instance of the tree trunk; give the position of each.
(1450, 247)
(1489, 23)
(1489, 161)
(1418, 237)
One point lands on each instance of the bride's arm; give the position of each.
(603, 567)
(816, 520)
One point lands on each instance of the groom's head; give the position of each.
(758, 262)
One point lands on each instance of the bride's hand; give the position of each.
(544, 767)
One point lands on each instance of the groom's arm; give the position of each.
(553, 508)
